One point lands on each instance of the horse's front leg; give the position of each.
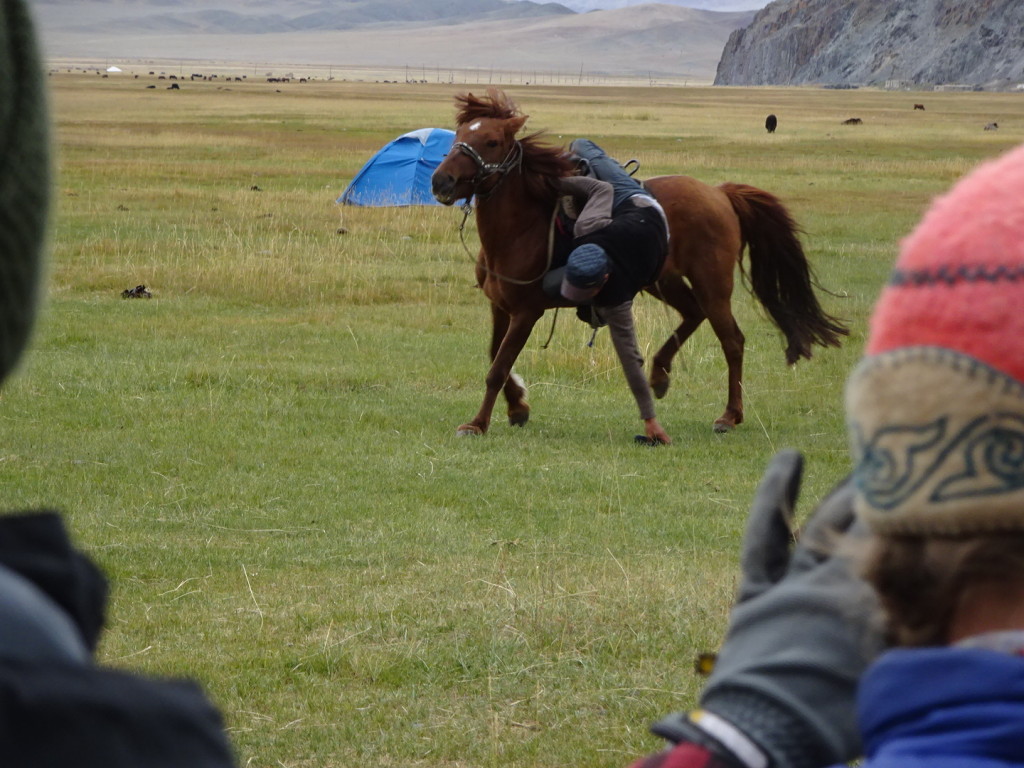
(514, 389)
(509, 336)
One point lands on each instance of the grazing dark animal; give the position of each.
(515, 184)
(138, 292)
(852, 121)
(173, 87)
(771, 123)
(992, 127)
(919, 106)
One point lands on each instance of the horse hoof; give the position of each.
(659, 384)
(721, 426)
(469, 430)
(518, 418)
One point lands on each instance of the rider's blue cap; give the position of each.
(585, 273)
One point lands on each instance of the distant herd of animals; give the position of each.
(772, 121)
(174, 86)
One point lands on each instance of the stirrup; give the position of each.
(582, 165)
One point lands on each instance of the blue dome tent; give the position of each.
(399, 174)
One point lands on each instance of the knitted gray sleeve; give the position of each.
(620, 325)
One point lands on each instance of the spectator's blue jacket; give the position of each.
(943, 708)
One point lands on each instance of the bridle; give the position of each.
(485, 170)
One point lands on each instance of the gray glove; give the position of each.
(802, 631)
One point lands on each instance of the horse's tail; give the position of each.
(780, 276)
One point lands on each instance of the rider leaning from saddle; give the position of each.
(620, 242)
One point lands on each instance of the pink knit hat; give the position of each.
(936, 408)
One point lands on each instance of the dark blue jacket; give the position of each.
(943, 708)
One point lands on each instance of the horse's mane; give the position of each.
(543, 163)
(495, 104)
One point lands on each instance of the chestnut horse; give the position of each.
(515, 184)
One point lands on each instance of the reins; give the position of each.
(513, 161)
(467, 208)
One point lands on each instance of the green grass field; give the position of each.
(263, 456)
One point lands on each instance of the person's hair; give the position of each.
(920, 580)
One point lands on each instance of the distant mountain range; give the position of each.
(655, 39)
(974, 43)
(260, 17)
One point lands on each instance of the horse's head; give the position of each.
(485, 148)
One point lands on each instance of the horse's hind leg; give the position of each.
(731, 338)
(514, 389)
(678, 295)
(674, 291)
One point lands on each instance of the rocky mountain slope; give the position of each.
(867, 42)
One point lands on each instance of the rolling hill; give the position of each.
(645, 40)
